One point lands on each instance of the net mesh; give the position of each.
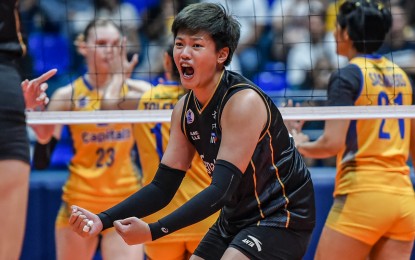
(288, 113)
(287, 48)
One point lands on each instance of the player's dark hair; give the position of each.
(175, 71)
(367, 22)
(213, 19)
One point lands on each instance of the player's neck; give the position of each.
(96, 80)
(204, 93)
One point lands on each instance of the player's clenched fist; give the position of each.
(85, 223)
(133, 230)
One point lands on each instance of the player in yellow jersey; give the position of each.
(373, 215)
(102, 171)
(152, 140)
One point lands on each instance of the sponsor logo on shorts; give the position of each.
(165, 230)
(253, 241)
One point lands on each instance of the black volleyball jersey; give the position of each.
(276, 188)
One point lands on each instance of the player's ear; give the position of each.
(345, 34)
(80, 44)
(223, 55)
(81, 47)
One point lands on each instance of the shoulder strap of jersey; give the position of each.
(235, 89)
(184, 109)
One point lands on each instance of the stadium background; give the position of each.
(284, 51)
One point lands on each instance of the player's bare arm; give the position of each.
(241, 127)
(328, 144)
(60, 101)
(179, 152)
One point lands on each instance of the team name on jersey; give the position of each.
(155, 105)
(109, 135)
(392, 80)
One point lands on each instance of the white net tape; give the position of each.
(288, 113)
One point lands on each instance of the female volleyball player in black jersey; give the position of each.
(14, 142)
(372, 170)
(259, 181)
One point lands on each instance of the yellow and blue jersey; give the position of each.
(376, 151)
(102, 171)
(152, 140)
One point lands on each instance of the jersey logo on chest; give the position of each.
(195, 135)
(213, 138)
(190, 117)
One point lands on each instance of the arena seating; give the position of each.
(44, 202)
(49, 50)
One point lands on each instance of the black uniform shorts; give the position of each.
(14, 141)
(256, 242)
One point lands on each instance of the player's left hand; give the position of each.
(291, 125)
(34, 91)
(299, 137)
(133, 230)
(119, 64)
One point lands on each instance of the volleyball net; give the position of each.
(288, 113)
(287, 48)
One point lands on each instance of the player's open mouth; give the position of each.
(187, 71)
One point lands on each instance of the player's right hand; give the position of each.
(119, 64)
(34, 91)
(80, 221)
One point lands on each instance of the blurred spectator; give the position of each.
(305, 55)
(49, 22)
(331, 14)
(288, 26)
(123, 14)
(399, 45)
(65, 14)
(253, 16)
(172, 7)
(142, 5)
(409, 6)
(321, 73)
(154, 34)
